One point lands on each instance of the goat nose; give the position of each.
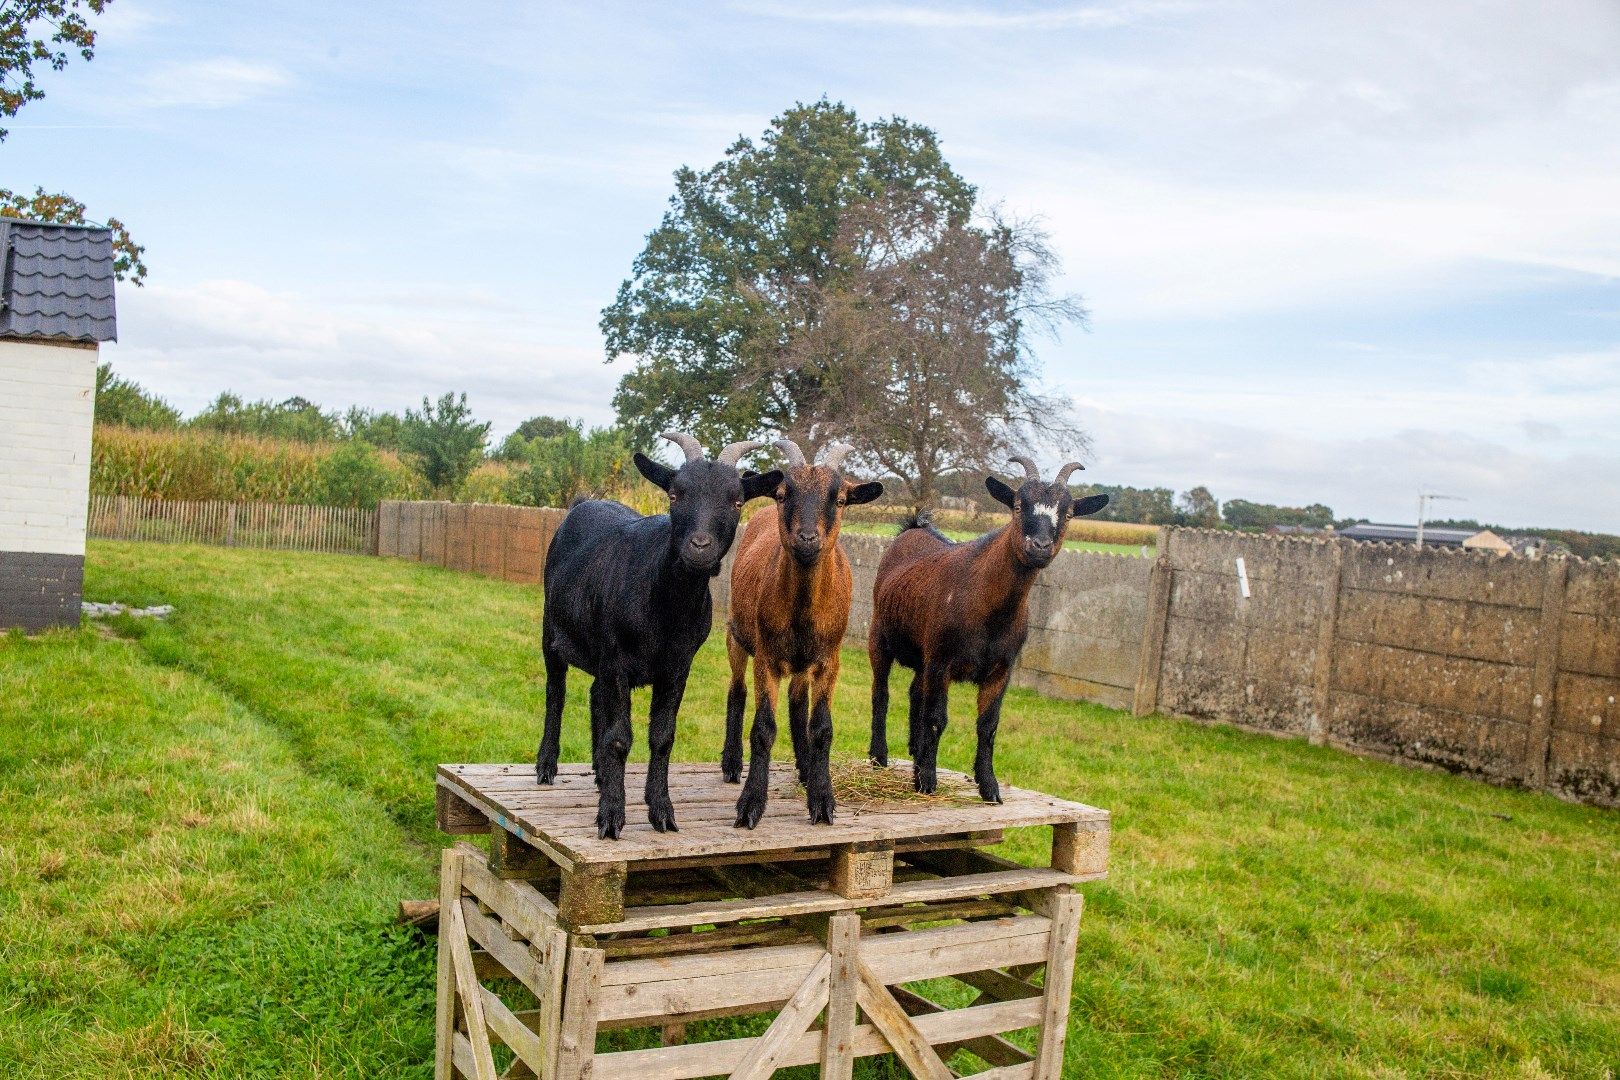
(700, 540)
(809, 538)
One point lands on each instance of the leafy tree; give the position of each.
(554, 469)
(297, 419)
(1198, 508)
(1243, 514)
(355, 475)
(924, 348)
(1141, 506)
(123, 401)
(516, 445)
(45, 33)
(719, 294)
(380, 429)
(445, 441)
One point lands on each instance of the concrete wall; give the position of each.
(47, 410)
(1502, 668)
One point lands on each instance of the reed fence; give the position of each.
(341, 529)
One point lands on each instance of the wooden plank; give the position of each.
(818, 901)
(469, 990)
(511, 1031)
(445, 1014)
(796, 1016)
(756, 979)
(910, 1045)
(838, 1032)
(992, 1048)
(518, 903)
(576, 1043)
(462, 1056)
(511, 858)
(864, 870)
(1022, 1071)
(511, 955)
(1065, 938)
(455, 815)
(719, 1057)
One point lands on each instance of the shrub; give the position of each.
(355, 475)
(554, 469)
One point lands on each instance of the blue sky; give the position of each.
(1332, 252)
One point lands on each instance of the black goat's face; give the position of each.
(1041, 512)
(810, 503)
(705, 503)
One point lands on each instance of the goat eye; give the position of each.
(738, 504)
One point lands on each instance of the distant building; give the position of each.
(56, 308)
(1407, 534)
(1485, 540)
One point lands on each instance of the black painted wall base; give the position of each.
(39, 591)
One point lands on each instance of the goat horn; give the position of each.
(1030, 471)
(833, 457)
(795, 456)
(690, 446)
(733, 453)
(1063, 473)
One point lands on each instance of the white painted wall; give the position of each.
(47, 411)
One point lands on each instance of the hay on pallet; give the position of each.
(858, 783)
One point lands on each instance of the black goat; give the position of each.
(627, 601)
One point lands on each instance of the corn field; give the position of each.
(342, 529)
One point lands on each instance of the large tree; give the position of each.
(925, 346)
(37, 34)
(729, 281)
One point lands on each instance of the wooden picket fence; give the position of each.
(342, 529)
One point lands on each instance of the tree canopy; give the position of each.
(445, 440)
(727, 282)
(38, 34)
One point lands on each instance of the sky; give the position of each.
(1332, 252)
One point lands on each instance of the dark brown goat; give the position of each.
(960, 613)
(790, 589)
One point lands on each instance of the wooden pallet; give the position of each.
(821, 925)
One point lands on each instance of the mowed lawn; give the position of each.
(205, 825)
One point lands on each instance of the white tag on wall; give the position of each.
(1243, 578)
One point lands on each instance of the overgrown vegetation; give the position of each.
(205, 828)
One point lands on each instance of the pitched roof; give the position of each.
(57, 282)
(1406, 534)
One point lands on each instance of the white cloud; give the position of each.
(216, 83)
(975, 17)
(189, 343)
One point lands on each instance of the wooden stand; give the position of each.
(821, 925)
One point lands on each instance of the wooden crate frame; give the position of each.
(824, 935)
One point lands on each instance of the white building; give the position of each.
(56, 307)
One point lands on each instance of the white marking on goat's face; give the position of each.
(1047, 511)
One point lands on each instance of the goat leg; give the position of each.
(731, 758)
(914, 716)
(666, 703)
(751, 803)
(991, 691)
(818, 767)
(799, 723)
(610, 700)
(934, 714)
(878, 749)
(545, 758)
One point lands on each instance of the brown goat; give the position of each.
(960, 613)
(790, 590)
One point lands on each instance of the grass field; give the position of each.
(868, 528)
(205, 824)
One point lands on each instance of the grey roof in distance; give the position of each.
(1407, 534)
(57, 283)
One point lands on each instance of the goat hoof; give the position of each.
(749, 811)
(821, 811)
(662, 818)
(991, 794)
(878, 761)
(731, 775)
(545, 774)
(609, 824)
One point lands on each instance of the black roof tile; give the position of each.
(58, 282)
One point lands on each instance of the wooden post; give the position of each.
(838, 1038)
(592, 894)
(1077, 851)
(1327, 629)
(230, 528)
(1544, 679)
(1146, 698)
(445, 1016)
(862, 871)
(576, 1042)
(1064, 911)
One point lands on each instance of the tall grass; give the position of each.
(201, 465)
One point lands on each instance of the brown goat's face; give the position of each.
(810, 509)
(1041, 513)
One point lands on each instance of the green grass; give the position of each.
(870, 528)
(204, 827)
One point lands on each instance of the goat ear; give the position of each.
(1089, 505)
(760, 484)
(657, 472)
(1000, 492)
(857, 494)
